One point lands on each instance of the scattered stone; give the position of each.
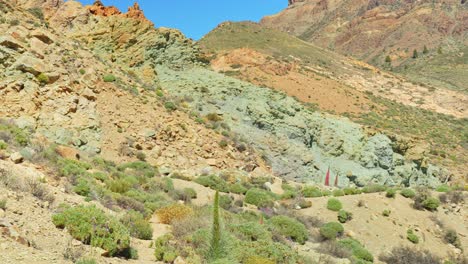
(16, 157)
(42, 36)
(68, 153)
(11, 43)
(179, 260)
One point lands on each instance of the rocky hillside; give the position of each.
(125, 147)
(401, 35)
(337, 84)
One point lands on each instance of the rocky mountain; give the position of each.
(128, 143)
(424, 40)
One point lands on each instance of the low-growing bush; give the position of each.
(3, 203)
(303, 203)
(214, 182)
(386, 213)
(411, 236)
(311, 191)
(331, 230)
(109, 78)
(259, 197)
(164, 250)
(170, 106)
(373, 188)
(451, 237)
(408, 193)
(174, 212)
(334, 204)
(344, 216)
(391, 193)
(137, 225)
(443, 188)
(92, 226)
(258, 260)
(431, 203)
(290, 228)
(357, 249)
(190, 193)
(351, 191)
(238, 188)
(337, 193)
(43, 78)
(225, 201)
(409, 255)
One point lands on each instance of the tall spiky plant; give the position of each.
(216, 232)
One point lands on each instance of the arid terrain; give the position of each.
(121, 142)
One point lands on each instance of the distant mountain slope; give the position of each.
(338, 84)
(374, 30)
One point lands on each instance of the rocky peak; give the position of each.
(135, 12)
(99, 9)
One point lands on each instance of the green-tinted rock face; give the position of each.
(298, 143)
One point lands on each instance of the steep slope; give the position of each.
(62, 90)
(373, 30)
(114, 145)
(330, 82)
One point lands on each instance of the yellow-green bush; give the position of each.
(173, 213)
(93, 227)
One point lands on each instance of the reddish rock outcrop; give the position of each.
(99, 9)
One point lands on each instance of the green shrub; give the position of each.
(137, 225)
(289, 194)
(72, 168)
(334, 205)
(408, 193)
(43, 78)
(82, 188)
(190, 193)
(109, 78)
(443, 188)
(258, 260)
(141, 156)
(290, 228)
(214, 182)
(82, 71)
(3, 203)
(357, 249)
(451, 237)
(351, 191)
(411, 236)
(91, 226)
(139, 168)
(344, 216)
(431, 203)
(259, 197)
(238, 188)
(37, 12)
(121, 185)
(390, 193)
(251, 231)
(170, 106)
(386, 213)
(3, 145)
(164, 250)
(373, 188)
(225, 201)
(331, 230)
(311, 191)
(338, 193)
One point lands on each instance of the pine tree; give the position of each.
(216, 232)
(415, 54)
(425, 50)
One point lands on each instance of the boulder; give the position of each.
(16, 157)
(68, 153)
(11, 43)
(42, 36)
(28, 63)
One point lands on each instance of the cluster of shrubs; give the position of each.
(93, 227)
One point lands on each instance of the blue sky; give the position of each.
(195, 18)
